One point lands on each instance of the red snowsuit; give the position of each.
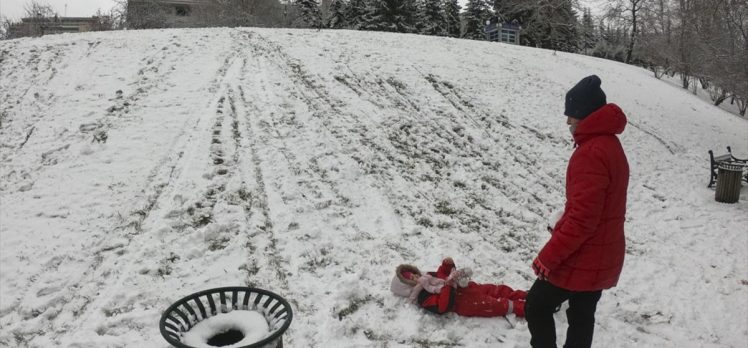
(475, 300)
(587, 245)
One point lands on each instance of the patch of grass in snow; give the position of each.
(219, 243)
(202, 212)
(242, 197)
(22, 338)
(406, 253)
(110, 312)
(428, 343)
(425, 222)
(420, 343)
(250, 269)
(443, 207)
(317, 259)
(356, 304)
(202, 219)
(3, 117)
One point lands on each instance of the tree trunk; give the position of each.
(742, 106)
(634, 12)
(684, 80)
(718, 95)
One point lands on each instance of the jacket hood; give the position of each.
(607, 120)
(400, 285)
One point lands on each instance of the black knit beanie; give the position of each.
(584, 98)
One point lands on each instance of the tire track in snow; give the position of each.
(265, 266)
(334, 119)
(113, 260)
(16, 130)
(264, 239)
(671, 147)
(326, 226)
(104, 254)
(167, 215)
(77, 296)
(150, 77)
(353, 305)
(494, 170)
(325, 108)
(398, 137)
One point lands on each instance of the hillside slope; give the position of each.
(141, 166)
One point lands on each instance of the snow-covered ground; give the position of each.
(141, 166)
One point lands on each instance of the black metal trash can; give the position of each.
(728, 183)
(183, 315)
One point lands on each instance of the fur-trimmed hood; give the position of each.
(400, 285)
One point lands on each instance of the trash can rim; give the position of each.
(733, 167)
(275, 335)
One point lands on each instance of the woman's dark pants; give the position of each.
(544, 298)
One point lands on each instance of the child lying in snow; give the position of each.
(450, 289)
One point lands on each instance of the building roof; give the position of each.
(59, 19)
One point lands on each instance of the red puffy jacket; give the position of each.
(443, 301)
(587, 246)
(475, 300)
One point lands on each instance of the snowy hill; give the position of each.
(138, 167)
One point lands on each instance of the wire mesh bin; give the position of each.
(183, 315)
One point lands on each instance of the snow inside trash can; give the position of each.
(227, 317)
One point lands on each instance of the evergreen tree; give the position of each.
(310, 13)
(501, 8)
(411, 10)
(390, 15)
(475, 16)
(355, 13)
(432, 19)
(419, 19)
(545, 23)
(336, 18)
(587, 35)
(564, 34)
(452, 18)
(611, 45)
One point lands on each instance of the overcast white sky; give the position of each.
(75, 8)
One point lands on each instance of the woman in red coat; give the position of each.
(585, 252)
(449, 290)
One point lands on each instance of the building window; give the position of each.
(508, 36)
(493, 35)
(183, 10)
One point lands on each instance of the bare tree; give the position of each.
(38, 9)
(119, 14)
(5, 24)
(103, 21)
(705, 42)
(37, 16)
(656, 38)
(629, 13)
